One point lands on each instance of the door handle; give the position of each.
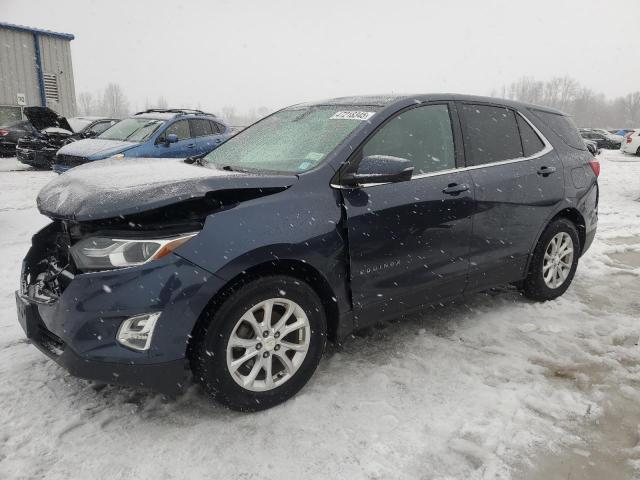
(546, 171)
(455, 189)
(191, 145)
(217, 140)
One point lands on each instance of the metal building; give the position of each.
(35, 70)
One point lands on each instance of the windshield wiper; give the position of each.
(229, 168)
(196, 160)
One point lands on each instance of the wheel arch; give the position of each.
(574, 216)
(292, 268)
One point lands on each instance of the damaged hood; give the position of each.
(96, 146)
(111, 188)
(44, 117)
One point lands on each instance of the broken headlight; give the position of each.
(102, 253)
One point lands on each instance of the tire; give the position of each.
(536, 286)
(213, 356)
(638, 152)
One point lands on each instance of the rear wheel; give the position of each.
(262, 345)
(638, 152)
(554, 261)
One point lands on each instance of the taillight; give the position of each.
(595, 166)
(628, 138)
(4, 133)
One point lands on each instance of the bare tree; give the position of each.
(86, 103)
(229, 114)
(162, 102)
(590, 109)
(632, 104)
(114, 101)
(263, 111)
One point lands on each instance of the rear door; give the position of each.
(409, 241)
(202, 131)
(518, 183)
(213, 137)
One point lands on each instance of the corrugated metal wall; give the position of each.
(18, 68)
(18, 72)
(56, 60)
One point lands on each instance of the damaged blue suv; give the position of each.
(165, 133)
(235, 267)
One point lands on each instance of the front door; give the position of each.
(183, 148)
(409, 241)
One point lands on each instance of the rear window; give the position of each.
(562, 126)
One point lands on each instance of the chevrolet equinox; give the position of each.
(235, 267)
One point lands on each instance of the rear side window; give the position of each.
(562, 126)
(217, 128)
(422, 135)
(200, 128)
(531, 142)
(491, 134)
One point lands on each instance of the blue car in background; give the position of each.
(159, 133)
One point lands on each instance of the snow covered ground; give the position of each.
(495, 387)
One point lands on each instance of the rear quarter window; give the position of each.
(562, 126)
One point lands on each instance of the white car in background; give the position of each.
(631, 142)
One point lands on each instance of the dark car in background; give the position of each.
(319, 219)
(161, 133)
(39, 148)
(10, 134)
(602, 138)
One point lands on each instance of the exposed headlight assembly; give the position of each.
(103, 253)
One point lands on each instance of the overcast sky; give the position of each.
(274, 53)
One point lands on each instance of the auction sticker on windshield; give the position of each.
(352, 115)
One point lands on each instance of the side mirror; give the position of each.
(379, 169)
(171, 138)
(591, 148)
(89, 134)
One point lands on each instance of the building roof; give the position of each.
(50, 33)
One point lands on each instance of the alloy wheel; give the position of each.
(558, 259)
(268, 344)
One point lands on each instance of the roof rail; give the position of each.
(179, 111)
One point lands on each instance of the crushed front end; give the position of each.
(40, 150)
(76, 316)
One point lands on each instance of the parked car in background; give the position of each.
(10, 134)
(603, 138)
(157, 133)
(317, 220)
(631, 142)
(39, 148)
(592, 146)
(622, 132)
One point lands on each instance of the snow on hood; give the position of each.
(114, 187)
(57, 130)
(96, 146)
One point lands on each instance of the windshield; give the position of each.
(132, 129)
(292, 140)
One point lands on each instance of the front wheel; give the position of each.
(262, 345)
(554, 261)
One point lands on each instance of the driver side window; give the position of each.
(422, 135)
(180, 128)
